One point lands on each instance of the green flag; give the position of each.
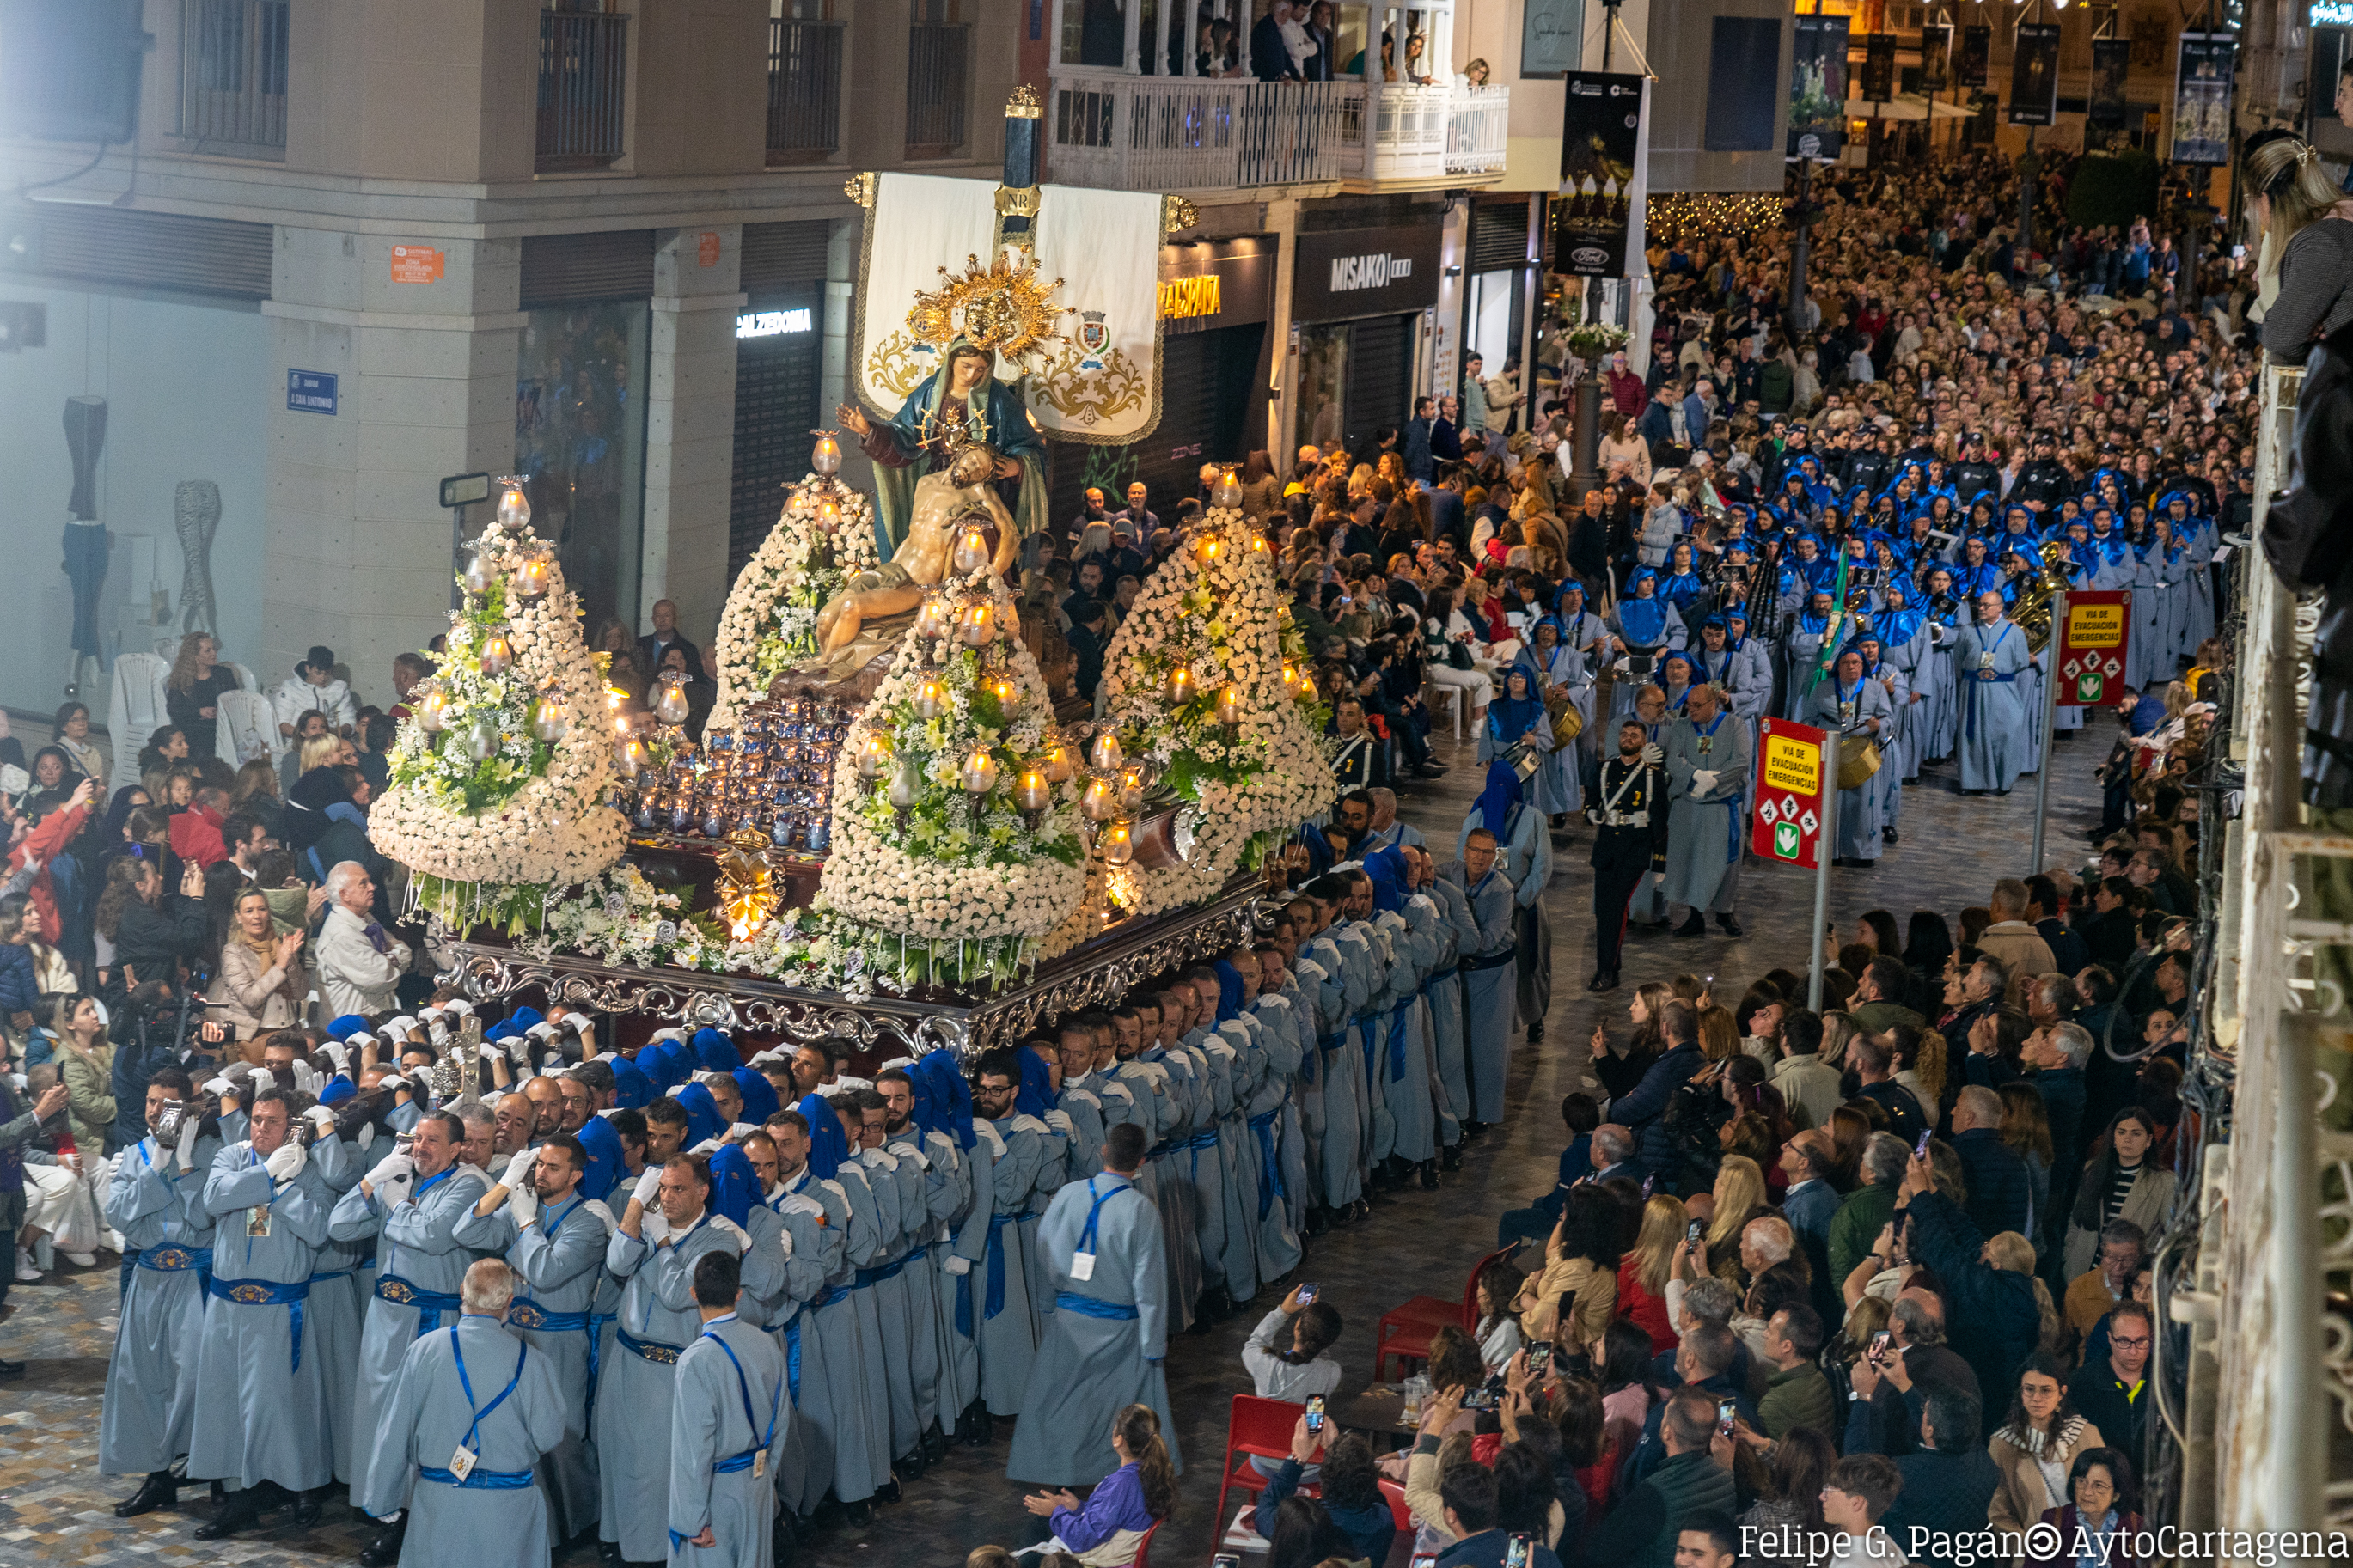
(1831, 638)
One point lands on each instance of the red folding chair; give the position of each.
(1143, 1547)
(1259, 1427)
(1406, 1332)
(1402, 1515)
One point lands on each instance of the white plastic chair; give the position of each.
(247, 728)
(135, 710)
(1434, 692)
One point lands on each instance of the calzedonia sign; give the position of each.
(1366, 272)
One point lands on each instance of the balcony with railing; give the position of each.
(583, 75)
(937, 78)
(1478, 126)
(233, 76)
(804, 90)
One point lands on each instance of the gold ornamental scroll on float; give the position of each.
(1096, 381)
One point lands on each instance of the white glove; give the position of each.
(653, 1227)
(518, 1049)
(321, 1117)
(1060, 1120)
(286, 1163)
(367, 1134)
(340, 1055)
(523, 1204)
(219, 1086)
(648, 1185)
(543, 1030)
(188, 1150)
(785, 1239)
(393, 1168)
(959, 1267)
(476, 1172)
(707, 1148)
(738, 1132)
(1653, 754)
(1702, 781)
(516, 1174)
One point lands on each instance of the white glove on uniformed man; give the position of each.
(648, 1186)
(392, 1178)
(286, 1163)
(186, 1153)
(1653, 754)
(516, 1172)
(1704, 781)
(959, 1265)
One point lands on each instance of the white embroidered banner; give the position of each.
(1100, 382)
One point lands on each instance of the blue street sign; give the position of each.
(310, 392)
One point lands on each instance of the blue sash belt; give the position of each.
(478, 1480)
(173, 1260)
(1087, 1306)
(429, 1304)
(654, 1351)
(1494, 961)
(791, 1332)
(525, 1313)
(1325, 1046)
(876, 1276)
(735, 1464)
(994, 1301)
(1269, 1162)
(268, 1293)
(1400, 1022)
(833, 1298)
(597, 1321)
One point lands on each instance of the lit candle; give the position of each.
(972, 550)
(496, 655)
(931, 697)
(930, 621)
(978, 627)
(1059, 764)
(1118, 843)
(433, 711)
(828, 513)
(673, 707)
(1290, 676)
(1229, 490)
(1180, 687)
(872, 755)
(1099, 801)
(979, 774)
(1031, 792)
(1107, 754)
(514, 507)
(1258, 544)
(826, 456)
(548, 723)
(1230, 706)
(632, 757)
(1209, 546)
(480, 573)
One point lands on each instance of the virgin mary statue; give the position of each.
(959, 406)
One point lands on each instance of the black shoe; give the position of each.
(1887, 835)
(307, 1509)
(1535, 1033)
(12, 1369)
(857, 1515)
(159, 1492)
(909, 1466)
(1693, 926)
(1339, 1214)
(239, 1511)
(984, 1429)
(1363, 1210)
(1604, 980)
(1430, 771)
(1729, 926)
(384, 1549)
(1451, 1157)
(1428, 1170)
(935, 1446)
(608, 1552)
(1318, 1221)
(888, 1491)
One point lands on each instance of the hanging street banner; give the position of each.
(1878, 68)
(2111, 66)
(1936, 57)
(1969, 69)
(1600, 139)
(2034, 75)
(1787, 826)
(2092, 647)
(1818, 87)
(2201, 98)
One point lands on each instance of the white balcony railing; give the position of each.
(1114, 131)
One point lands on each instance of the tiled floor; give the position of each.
(54, 1509)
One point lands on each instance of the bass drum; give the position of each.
(1858, 760)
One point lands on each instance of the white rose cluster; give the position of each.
(770, 620)
(553, 831)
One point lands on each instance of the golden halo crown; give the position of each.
(1005, 307)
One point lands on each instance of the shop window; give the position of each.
(580, 439)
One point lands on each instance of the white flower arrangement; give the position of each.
(770, 622)
(487, 837)
(950, 865)
(1211, 620)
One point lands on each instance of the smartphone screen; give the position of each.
(1693, 1232)
(1920, 1150)
(1227, 1560)
(1424, 1559)
(1517, 1553)
(1539, 1359)
(1314, 1412)
(1879, 1344)
(1725, 1410)
(1306, 1294)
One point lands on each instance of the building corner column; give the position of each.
(690, 424)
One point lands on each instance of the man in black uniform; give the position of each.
(2045, 478)
(1630, 811)
(1973, 476)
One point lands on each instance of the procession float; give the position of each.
(894, 830)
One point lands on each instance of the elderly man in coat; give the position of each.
(360, 963)
(1987, 662)
(1708, 754)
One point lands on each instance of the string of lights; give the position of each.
(1680, 214)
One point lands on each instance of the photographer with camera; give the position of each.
(21, 1122)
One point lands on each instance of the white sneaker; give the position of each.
(82, 1259)
(26, 1273)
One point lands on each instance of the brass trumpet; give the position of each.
(2032, 611)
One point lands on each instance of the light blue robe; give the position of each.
(634, 1387)
(1008, 1335)
(1109, 1333)
(709, 1427)
(260, 1417)
(1489, 989)
(805, 1469)
(871, 1234)
(1706, 830)
(427, 1418)
(1848, 710)
(1994, 714)
(1273, 1121)
(150, 1412)
(343, 1282)
(1450, 1021)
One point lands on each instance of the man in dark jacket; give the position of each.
(2058, 1055)
(1640, 1531)
(2045, 911)
(2000, 1193)
(2113, 1395)
(1645, 1109)
(1993, 1315)
(1473, 1512)
(1419, 463)
(1948, 1480)
(1269, 59)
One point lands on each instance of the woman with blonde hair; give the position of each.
(192, 691)
(2307, 229)
(1642, 1273)
(1719, 1037)
(262, 984)
(1837, 1028)
(1739, 1193)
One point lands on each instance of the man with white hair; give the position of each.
(2001, 1192)
(472, 1411)
(1708, 753)
(360, 963)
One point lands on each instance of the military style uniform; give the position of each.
(1629, 812)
